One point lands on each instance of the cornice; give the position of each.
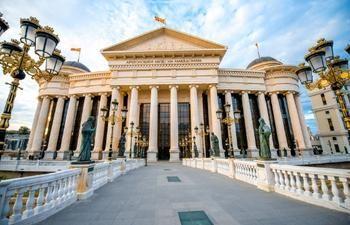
(165, 66)
(90, 75)
(241, 73)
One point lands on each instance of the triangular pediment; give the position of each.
(164, 39)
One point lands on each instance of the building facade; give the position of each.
(333, 136)
(170, 82)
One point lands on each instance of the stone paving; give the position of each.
(145, 197)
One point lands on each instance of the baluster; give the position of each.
(325, 191)
(30, 204)
(306, 184)
(316, 193)
(286, 181)
(335, 191)
(6, 208)
(292, 181)
(298, 183)
(48, 202)
(345, 182)
(17, 207)
(277, 185)
(60, 197)
(74, 187)
(40, 200)
(281, 179)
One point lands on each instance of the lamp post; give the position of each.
(113, 118)
(332, 71)
(16, 61)
(132, 132)
(3, 25)
(202, 132)
(228, 120)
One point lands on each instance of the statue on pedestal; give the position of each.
(195, 149)
(87, 131)
(264, 134)
(215, 144)
(121, 145)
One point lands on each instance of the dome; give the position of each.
(77, 65)
(261, 60)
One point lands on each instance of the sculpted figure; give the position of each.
(195, 149)
(264, 134)
(215, 144)
(121, 146)
(88, 130)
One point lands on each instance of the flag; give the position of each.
(76, 49)
(160, 20)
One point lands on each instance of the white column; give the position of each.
(35, 121)
(40, 128)
(249, 128)
(133, 114)
(296, 127)
(201, 120)
(306, 134)
(55, 129)
(118, 125)
(195, 118)
(100, 128)
(174, 132)
(84, 117)
(228, 99)
(265, 115)
(153, 126)
(68, 128)
(216, 124)
(281, 134)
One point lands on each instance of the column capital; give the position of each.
(244, 92)
(212, 85)
(61, 96)
(260, 93)
(193, 85)
(153, 86)
(228, 91)
(103, 93)
(115, 87)
(176, 86)
(73, 96)
(133, 86)
(289, 92)
(88, 95)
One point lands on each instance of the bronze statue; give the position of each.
(215, 144)
(121, 145)
(195, 149)
(264, 134)
(88, 130)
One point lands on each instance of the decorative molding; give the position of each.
(241, 73)
(165, 66)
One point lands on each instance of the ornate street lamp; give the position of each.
(228, 120)
(202, 132)
(113, 118)
(132, 132)
(332, 71)
(3, 25)
(17, 62)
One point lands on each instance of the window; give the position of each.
(331, 127)
(336, 146)
(334, 138)
(323, 99)
(327, 112)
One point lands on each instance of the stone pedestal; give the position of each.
(214, 167)
(96, 155)
(62, 155)
(274, 153)
(265, 175)
(151, 156)
(253, 153)
(307, 152)
(174, 156)
(84, 186)
(49, 155)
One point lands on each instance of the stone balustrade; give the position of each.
(325, 187)
(29, 200)
(321, 186)
(33, 165)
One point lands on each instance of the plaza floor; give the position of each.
(145, 197)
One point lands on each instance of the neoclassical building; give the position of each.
(170, 82)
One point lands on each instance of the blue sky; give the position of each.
(284, 29)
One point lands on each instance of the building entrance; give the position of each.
(164, 131)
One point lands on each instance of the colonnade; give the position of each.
(40, 119)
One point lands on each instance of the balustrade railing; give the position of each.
(315, 185)
(246, 171)
(100, 175)
(37, 197)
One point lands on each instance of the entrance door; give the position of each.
(164, 131)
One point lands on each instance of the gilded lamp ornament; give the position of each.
(332, 72)
(16, 61)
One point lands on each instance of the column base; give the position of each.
(84, 187)
(152, 156)
(62, 155)
(266, 179)
(306, 152)
(253, 153)
(49, 155)
(274, 153)
(96, 155)
(174, 155)
(105, 155)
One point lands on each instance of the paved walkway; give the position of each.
(145, 197)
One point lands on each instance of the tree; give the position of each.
(23, 130)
